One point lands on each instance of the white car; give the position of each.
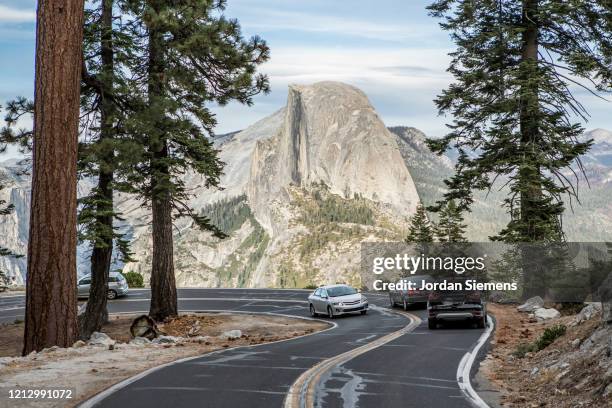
(335, 300)
(117, 286)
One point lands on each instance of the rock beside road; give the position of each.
(232, 334)
(587, 313)
(100, 339)
(531, 304)
(167, 340)
(140, 341)
(543, 313)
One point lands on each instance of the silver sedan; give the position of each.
(335, 300)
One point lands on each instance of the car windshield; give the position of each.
(340, 291)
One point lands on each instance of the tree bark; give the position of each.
(96, 313)
(163, 283)
(51, 306)
(529, 173)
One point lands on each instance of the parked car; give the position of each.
(335, 300)
(407, 297)
(458, 305)
(117, 286)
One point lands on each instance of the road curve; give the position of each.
(415, 368)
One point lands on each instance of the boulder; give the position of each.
(543, 313)
(605, 295)
(531, 304)
(166, 340)
(100, 339)
(232, 334)
(140, 341)
(587, 313)
(79, 344)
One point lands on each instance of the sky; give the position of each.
(391, 49)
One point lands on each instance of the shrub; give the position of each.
(523, 349)
(134, 279)
(549, 336)
(311, 286)
(546, 339)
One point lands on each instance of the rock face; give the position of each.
(302, 188)
(14, 227)
(330, 135)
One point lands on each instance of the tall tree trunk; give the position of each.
(96, 313)
(51, 305)
(163, 284)
(529, 173)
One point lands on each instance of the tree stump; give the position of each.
(144, 326)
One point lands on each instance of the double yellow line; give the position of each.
(302, 392)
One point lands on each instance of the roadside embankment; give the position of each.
(563, 361)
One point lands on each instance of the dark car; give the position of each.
(407, 297)
(457, 305)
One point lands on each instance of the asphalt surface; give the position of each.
(418, 369)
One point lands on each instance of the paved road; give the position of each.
(417, 369)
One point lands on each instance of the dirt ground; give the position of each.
(553, 377)
(98, 367)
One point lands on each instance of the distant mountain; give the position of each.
(302, 188)
(587, 221)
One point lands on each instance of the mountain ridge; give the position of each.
(302, 188)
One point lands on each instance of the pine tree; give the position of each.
(189, 55)
(515, 116)
(420, 230)
(105, 150)
(51, 306)
(450, 227)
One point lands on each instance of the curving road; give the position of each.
(417, 368)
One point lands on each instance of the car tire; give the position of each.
(364, 312)
(482, 322)
(405, 305)
(312, 311)
(111, 294)
(330, 312)
(432, 324)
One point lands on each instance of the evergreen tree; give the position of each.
(187, 56)
(105, 149)
(51, 304)
(514, 113)
(420, 230)
(450, 227)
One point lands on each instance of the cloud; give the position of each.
(276, 20)
(400, 83)
(13, 15)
